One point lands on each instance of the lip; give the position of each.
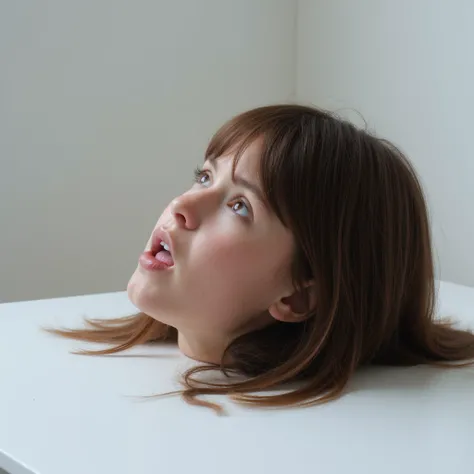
(158, 236)
(147, 259)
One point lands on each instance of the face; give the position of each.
(230, 255)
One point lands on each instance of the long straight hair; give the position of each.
(359, 218)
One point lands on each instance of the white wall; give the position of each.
(408, 67)
(105, 109)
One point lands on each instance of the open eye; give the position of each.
(240, 208)
(201, 177)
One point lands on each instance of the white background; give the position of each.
(106, 108)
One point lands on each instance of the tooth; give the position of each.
(165, 246)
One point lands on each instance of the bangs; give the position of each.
(278, 166)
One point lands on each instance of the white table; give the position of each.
(68, 414)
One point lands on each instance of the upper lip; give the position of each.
(160, 235)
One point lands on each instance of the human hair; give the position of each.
(359, 218)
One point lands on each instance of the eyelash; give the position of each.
(199, 173)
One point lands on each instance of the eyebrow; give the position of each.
(243, 182)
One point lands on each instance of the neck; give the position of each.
(209, 347)
(202, 347)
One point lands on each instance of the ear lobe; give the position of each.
(294, 308)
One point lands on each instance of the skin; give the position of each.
(232, 261)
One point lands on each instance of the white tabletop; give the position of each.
(68, 414)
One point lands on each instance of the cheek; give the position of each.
(239, 266)
(229, 253)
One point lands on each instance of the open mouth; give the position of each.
(162, 248)
(162, 253)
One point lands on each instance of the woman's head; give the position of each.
(302, 251)
(231, 254)
(297, 218)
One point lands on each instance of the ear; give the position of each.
(294, 308)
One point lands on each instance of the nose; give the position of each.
(185, 212)
(194, 206)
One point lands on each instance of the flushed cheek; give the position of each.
(223, 249)
(229, 281)
(234, 261)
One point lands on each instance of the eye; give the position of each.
(240, 208)
(201, 177)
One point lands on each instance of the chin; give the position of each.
(139, 294)
(131, 290)
(144, 296)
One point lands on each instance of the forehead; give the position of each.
(246, 163)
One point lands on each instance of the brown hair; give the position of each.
(358, 215)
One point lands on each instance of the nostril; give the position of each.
(184, 213)
(181, 220)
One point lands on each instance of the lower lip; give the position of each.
(148, 262)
